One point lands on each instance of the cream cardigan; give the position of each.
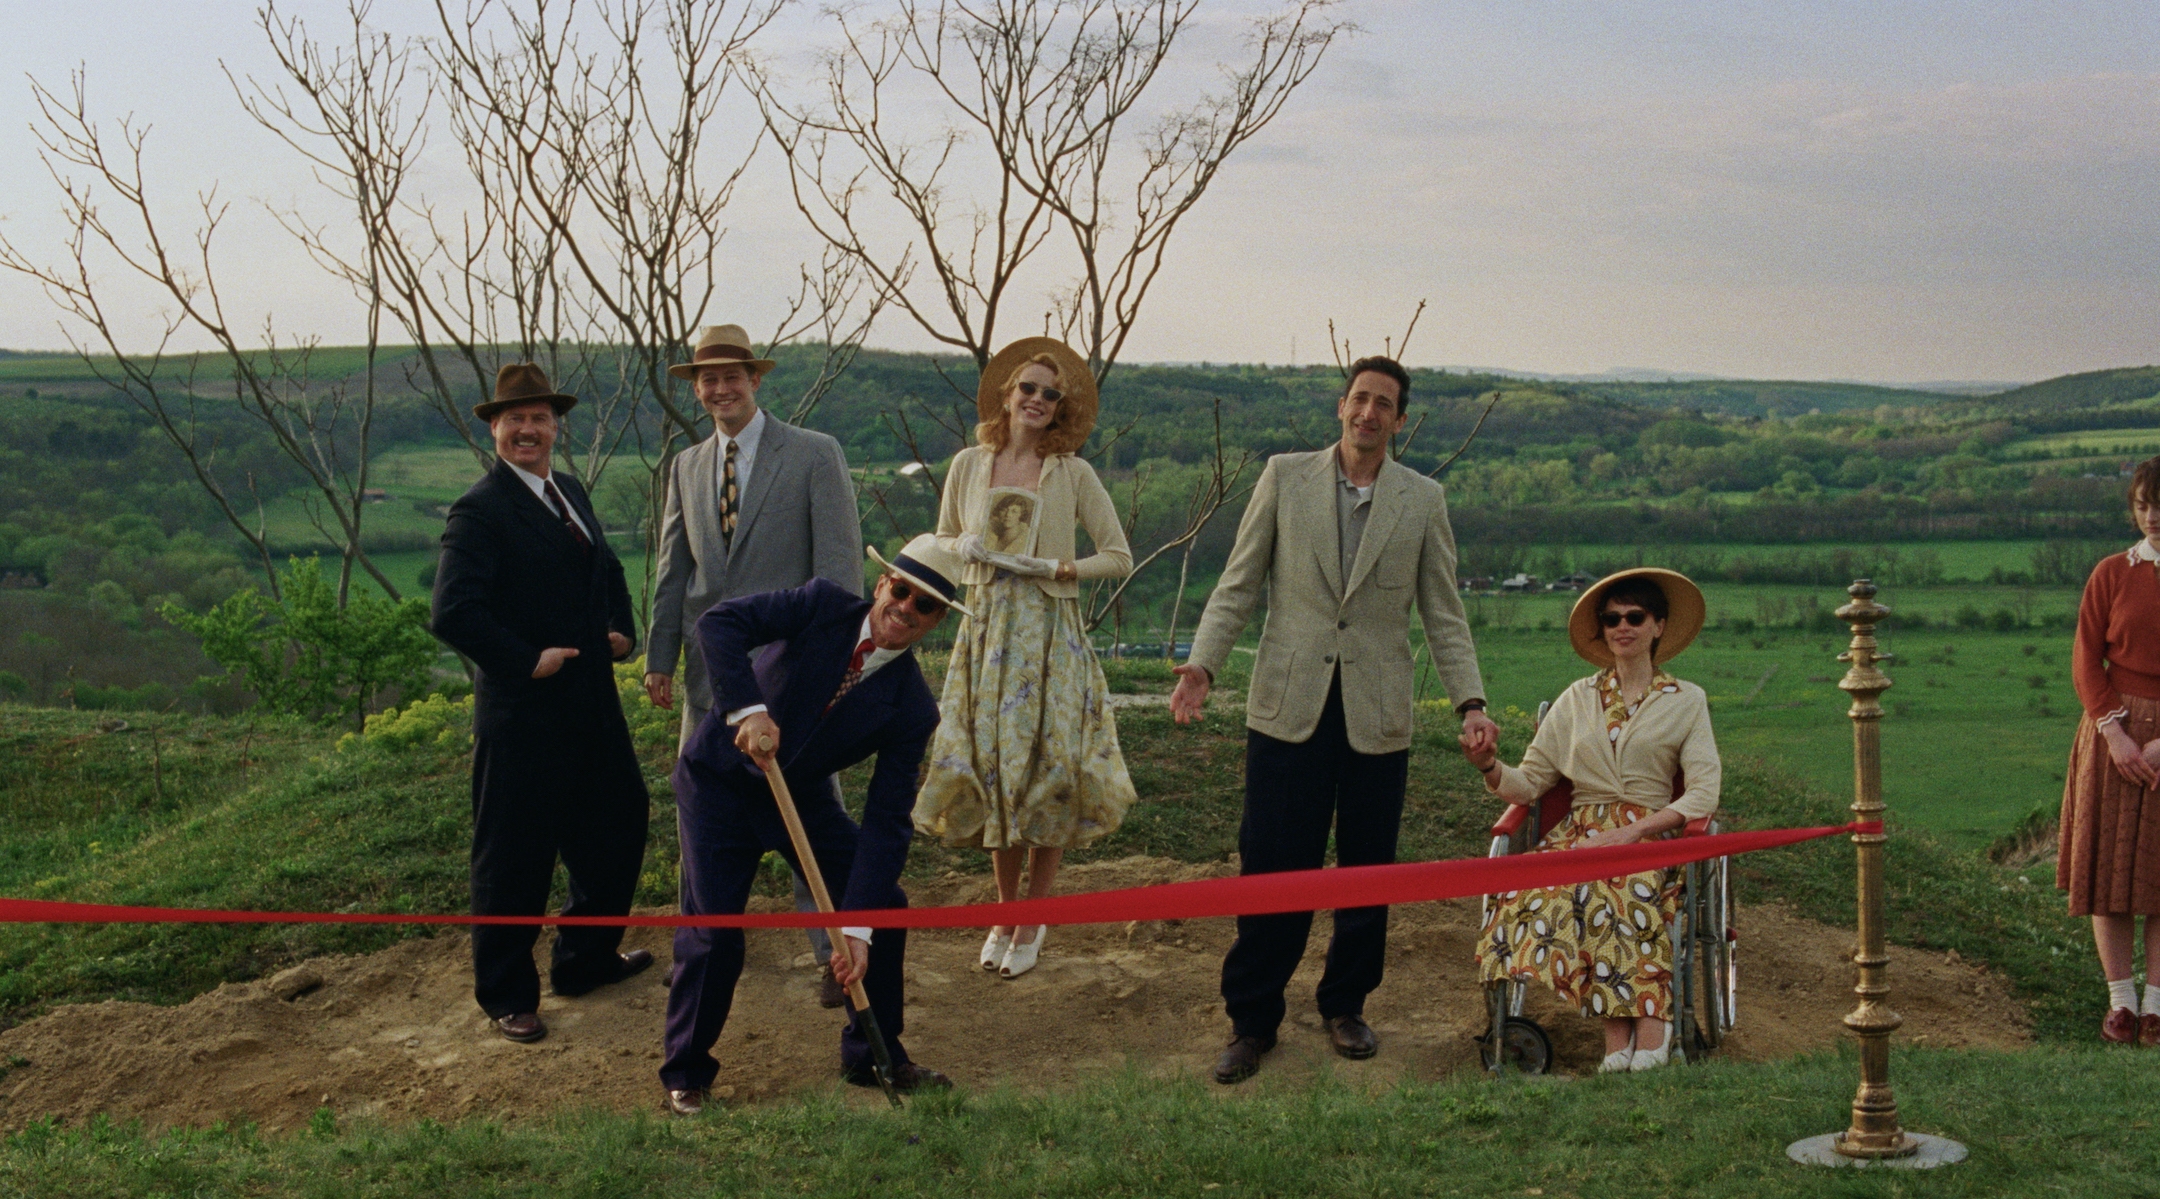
(1670, 732)
(1072, 495)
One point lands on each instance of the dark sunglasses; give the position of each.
(925, 603)
(1051, 394)
(1634, 616)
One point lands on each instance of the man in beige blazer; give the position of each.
(1344, 540)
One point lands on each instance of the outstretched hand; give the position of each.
(1190, 697)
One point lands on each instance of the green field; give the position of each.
(2092, 441)
(1967, 560)
(325, 364)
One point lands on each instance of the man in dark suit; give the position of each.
(528, 589)
(835, 683)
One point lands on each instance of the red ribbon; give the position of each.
(1246, 895)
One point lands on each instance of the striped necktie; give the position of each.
(854, 672)
(563, 510)
(730, 498)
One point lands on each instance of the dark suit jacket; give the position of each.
(809, 633)
(511, 582)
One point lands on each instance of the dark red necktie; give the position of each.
(563, 510)
(854, 671)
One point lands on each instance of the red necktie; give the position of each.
(854, 671)
(563, 510)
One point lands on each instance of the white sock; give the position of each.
(2122, 992)
(2152, 997)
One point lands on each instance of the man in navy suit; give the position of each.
(835, 683)
(529, 590)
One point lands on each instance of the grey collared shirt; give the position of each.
(1352, 506)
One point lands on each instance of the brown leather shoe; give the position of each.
(1240, 1059)
(829, 992)
(1352, 1037)
(626, 964)
(2149, 1030)
(686, 1103)
(2120, 1027)
(907, 1078)
(522, 1027)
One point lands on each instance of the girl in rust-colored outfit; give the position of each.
(2110, 850)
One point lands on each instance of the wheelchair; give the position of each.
(1705, 973)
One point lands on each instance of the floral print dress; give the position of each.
(1027, 753)
(1604, 945)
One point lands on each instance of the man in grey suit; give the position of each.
(759, 506)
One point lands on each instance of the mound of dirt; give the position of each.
(395, 1034)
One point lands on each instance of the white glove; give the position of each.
(971, 548)
(1021, 564)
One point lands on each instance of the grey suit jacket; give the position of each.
(1319, 622)
(798, 521)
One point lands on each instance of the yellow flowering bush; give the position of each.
(432, 720)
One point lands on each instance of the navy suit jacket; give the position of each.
(809, 633)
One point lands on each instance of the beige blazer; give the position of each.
(1670, 732)
(1072, 495)
(1319, 622)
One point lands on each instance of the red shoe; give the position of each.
(2120, 1027)
(2149, 1030)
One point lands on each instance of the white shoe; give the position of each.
(1021, 957)
(1651, 1059)
(994, 949)
(1619, 1061)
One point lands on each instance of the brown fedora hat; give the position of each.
(523, 383)
(1684, 613)
(1076, 412)
(718, 345)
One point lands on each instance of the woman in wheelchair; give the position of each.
(1635, 744)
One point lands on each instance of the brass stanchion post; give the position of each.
(1874, 1138)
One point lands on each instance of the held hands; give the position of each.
(850, 965)
(758, 738)
(660, 689)
(2132, 760)
(1190, 697)
(551, 660)
(1480, 736)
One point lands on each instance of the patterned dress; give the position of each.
(1604, 945)
(1027, 753)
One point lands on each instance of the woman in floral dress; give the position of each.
(1619, 737)
(1026, 761)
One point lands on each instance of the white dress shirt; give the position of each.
(746, 446)
(538, 483)
(877, 657)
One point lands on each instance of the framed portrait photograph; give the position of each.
(1009, 521)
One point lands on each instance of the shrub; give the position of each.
(436, 721)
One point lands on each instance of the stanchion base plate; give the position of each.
(1933, 1152)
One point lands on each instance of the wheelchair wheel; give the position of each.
(1521, 1046)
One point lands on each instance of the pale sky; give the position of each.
(1885, 190)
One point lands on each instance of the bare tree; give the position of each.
(1344, 356)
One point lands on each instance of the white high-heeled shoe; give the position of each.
(1021, 957)
(1651, 1059)
(994, 949)
(1619, 1061)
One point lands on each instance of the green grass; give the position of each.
(2070, 1122)
(2092, 441)
(1779, 603)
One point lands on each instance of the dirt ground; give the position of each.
(395, 1034)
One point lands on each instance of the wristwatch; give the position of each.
(1468, 706)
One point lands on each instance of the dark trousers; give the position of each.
(1293, 792)
(535, 798)
(728, 821)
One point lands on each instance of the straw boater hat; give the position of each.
(1683, 614)
(522, 383)
(927, 563)
(717, 345)
(1075, 412)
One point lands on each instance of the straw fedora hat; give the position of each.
(522, 383)
(929, 564)
(717, 345)
(1076, 412)
(1684, 611)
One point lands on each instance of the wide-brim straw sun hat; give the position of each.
(1076, 411)
(721, 345)
(928, 563)
(523, 383)
(1684, 613)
